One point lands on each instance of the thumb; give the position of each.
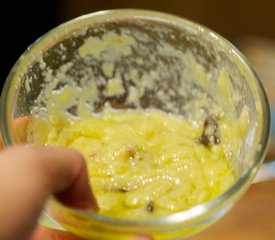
(29, 175)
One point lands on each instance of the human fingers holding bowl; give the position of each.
(171, 120)
(28, 176)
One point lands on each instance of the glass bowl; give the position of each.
(154, 60)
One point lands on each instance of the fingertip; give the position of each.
(79, 194)
(61, 171)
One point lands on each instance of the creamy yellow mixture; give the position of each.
(144, 164)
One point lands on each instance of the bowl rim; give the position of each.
(192, 213)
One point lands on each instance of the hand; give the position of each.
(28, 175)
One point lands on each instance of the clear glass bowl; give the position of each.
(185, 61)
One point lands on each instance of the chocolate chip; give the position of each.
(209, 136)
(120, 189)
(150, 207)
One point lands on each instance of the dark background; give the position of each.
(28, 20)
(22, 22)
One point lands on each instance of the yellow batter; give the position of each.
(144, 164)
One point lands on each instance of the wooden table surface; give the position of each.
(252, 218)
